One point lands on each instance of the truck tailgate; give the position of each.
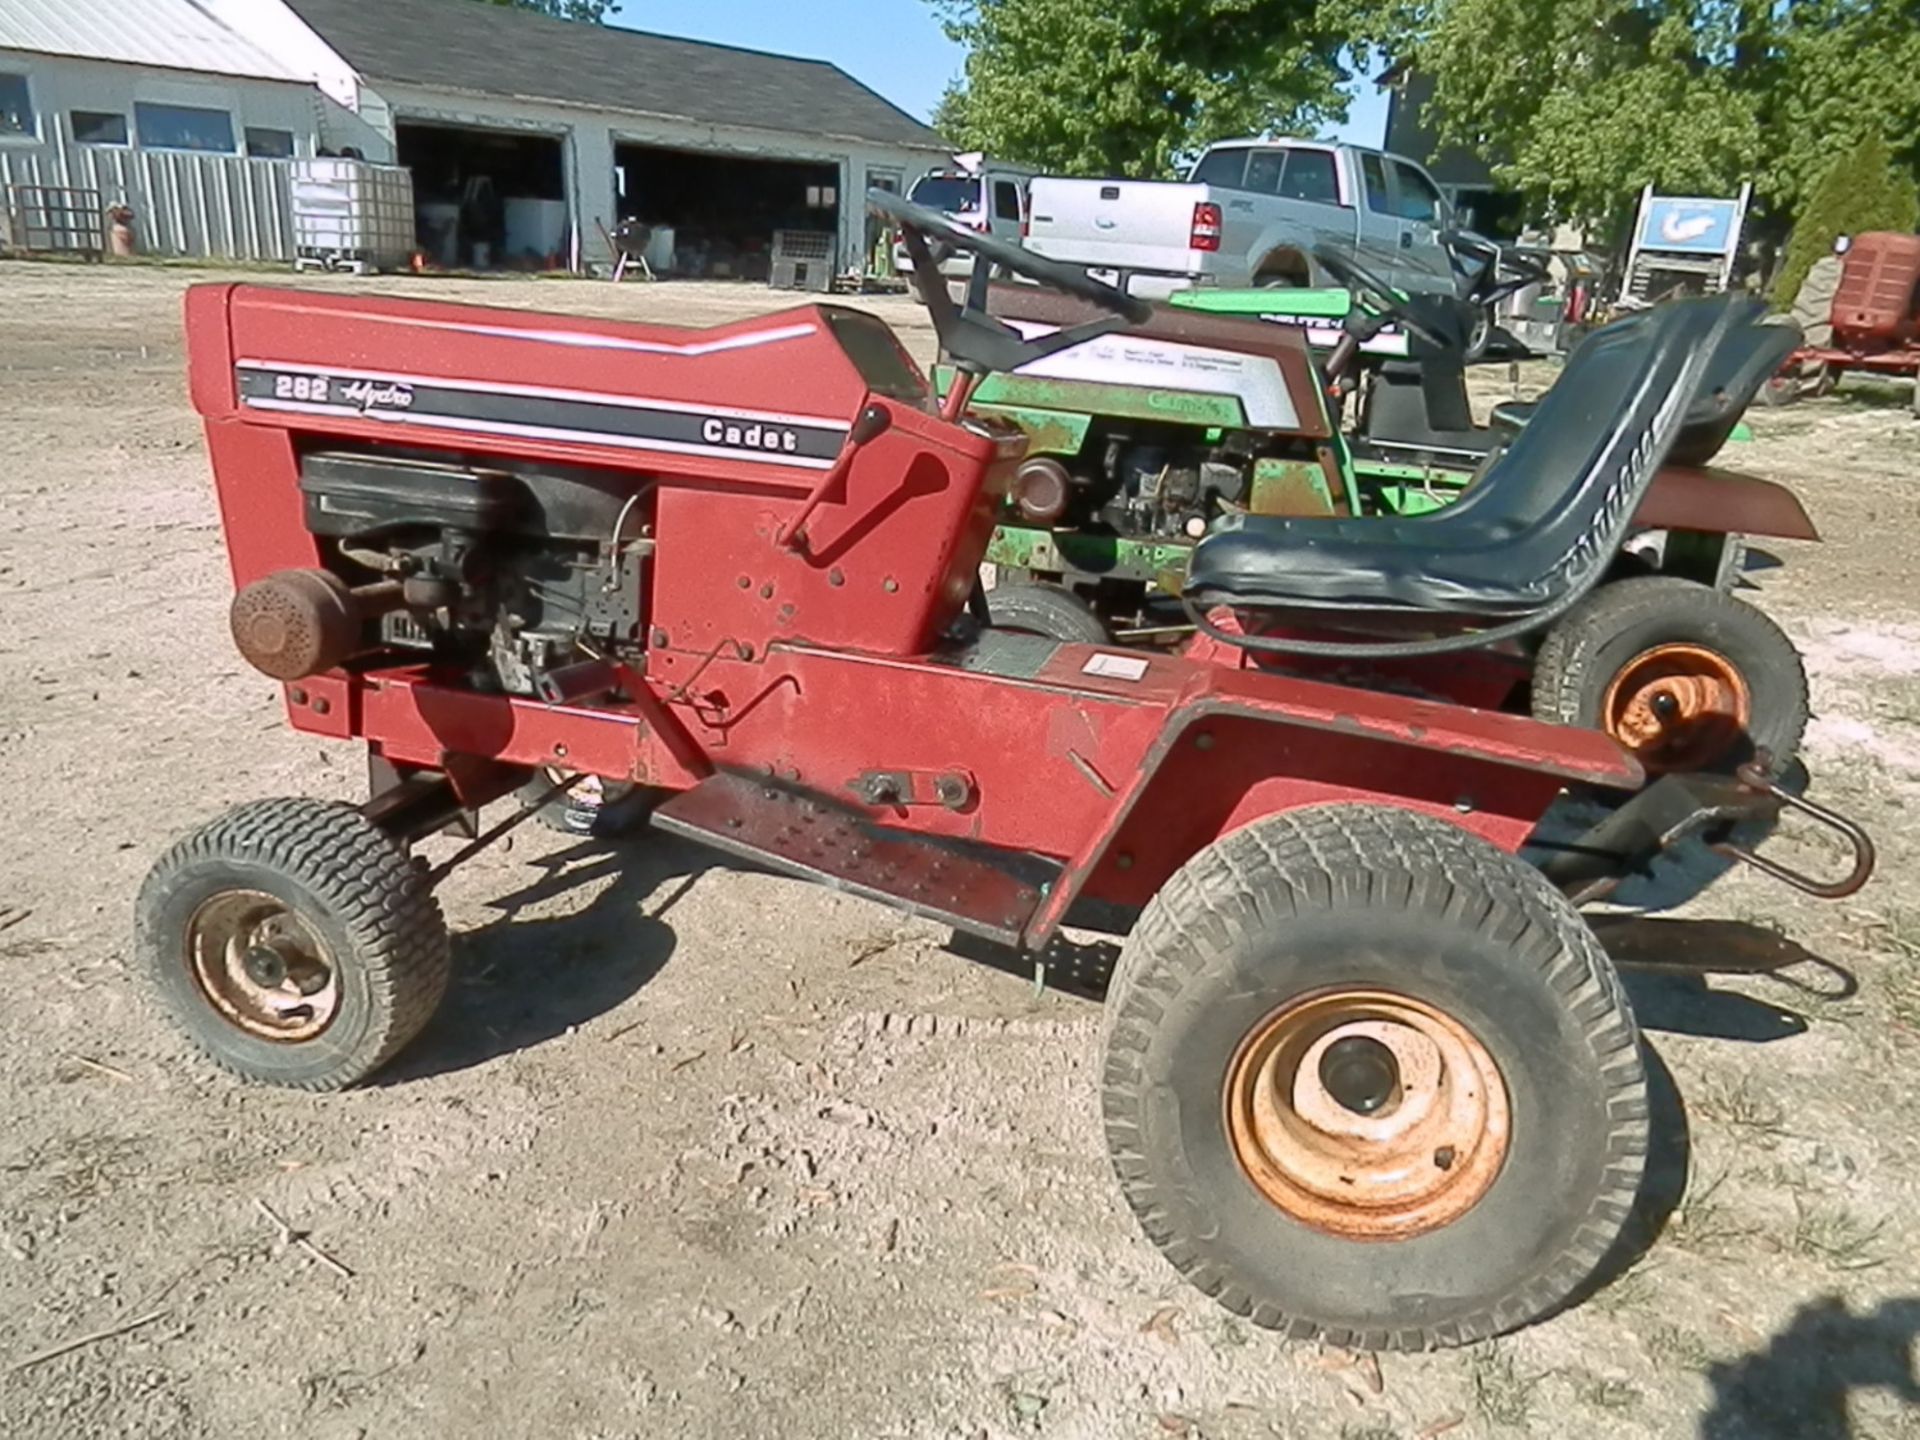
(1121, 224)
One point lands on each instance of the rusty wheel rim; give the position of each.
(262, 966)
(1678, 707)
(1367, 1114)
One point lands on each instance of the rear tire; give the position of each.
(1046, 610)
(294, 941)
(1304, 910)
(1585, 673)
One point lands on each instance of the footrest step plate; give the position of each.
(971, 887)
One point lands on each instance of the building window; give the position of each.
(98, 127)
(184, 127)
(16, 107)
(822, 197)
(269, 144)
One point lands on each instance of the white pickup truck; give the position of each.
(1250, 214)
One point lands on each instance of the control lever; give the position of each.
(873, 422)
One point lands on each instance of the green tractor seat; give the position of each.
(1540, 525)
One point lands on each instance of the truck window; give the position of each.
(1006, 200)
(1375, 176)
(1221, 167)
(1263, 171)
(949, 194)
(1417, 199)
(1309, 176)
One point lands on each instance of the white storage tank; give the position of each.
(352, 215)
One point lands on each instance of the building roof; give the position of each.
(496, 50)
(170, 34)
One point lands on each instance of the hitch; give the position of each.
(1755, 775)
(1679, 806)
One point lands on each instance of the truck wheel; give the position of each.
(1779, 390)
(603, 809)
(294, 941)
(1683, 675)
(1046, 610)
(1368, 1079)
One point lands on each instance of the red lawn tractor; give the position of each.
(1368, 1075)
(1875, 322)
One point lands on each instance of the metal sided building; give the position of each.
(537, 134)
(572, 128)
(160, 106)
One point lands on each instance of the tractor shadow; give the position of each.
(1082, 968)
(518, 983)
(1796, 1386)
(1666, 963)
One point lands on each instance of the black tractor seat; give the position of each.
(1753, 350)
(1549, 513)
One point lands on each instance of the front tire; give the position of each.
(1685, 676)
(294, 941)
(1498, 1165)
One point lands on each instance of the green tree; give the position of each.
(1133, 87)
(594, 12)
(1580, 103)
(1860, 191)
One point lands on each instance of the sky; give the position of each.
(893, 46)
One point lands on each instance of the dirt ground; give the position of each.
(694, 1152)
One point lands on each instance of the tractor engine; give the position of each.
(530, 578)
(1138, 486)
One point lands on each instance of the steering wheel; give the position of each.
(1496, 271)
(1503, 269)
(1374, 297)
(974, 339)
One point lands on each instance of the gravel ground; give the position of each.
(693, 1152)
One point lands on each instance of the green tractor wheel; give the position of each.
(1047, 610)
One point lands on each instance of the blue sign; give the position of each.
(1691, 227)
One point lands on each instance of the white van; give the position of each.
(985, 195)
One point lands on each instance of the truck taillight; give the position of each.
(1206, 227)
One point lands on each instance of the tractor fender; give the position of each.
(1723, 502)
(1235, 749)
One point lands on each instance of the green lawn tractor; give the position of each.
(1145, 441)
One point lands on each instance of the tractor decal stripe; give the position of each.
(692, 349)
(541, 392)
(806, 442)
